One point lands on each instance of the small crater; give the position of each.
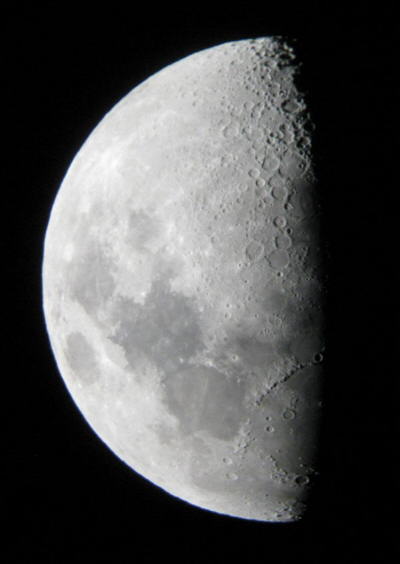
(254, 250)
(289, 414)
(302, 480)
(271, 164)
(278, 259)
(279, 193)
(282, 241)
(230, 131)
(291, 106)
(317, 358)
(280, 222)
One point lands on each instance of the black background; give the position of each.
(67, 497)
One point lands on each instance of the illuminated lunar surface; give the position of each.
(182, 283)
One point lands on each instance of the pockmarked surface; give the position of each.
(182, 282)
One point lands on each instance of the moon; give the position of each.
(183, 282)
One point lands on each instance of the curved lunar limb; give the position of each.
(182, 282)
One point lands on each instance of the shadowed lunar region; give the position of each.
(182, 282)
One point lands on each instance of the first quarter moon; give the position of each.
(183, 281)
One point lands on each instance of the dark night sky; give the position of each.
(68, 499)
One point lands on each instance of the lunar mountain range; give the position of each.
(183, 286)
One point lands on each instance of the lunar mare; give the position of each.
(182, 281)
